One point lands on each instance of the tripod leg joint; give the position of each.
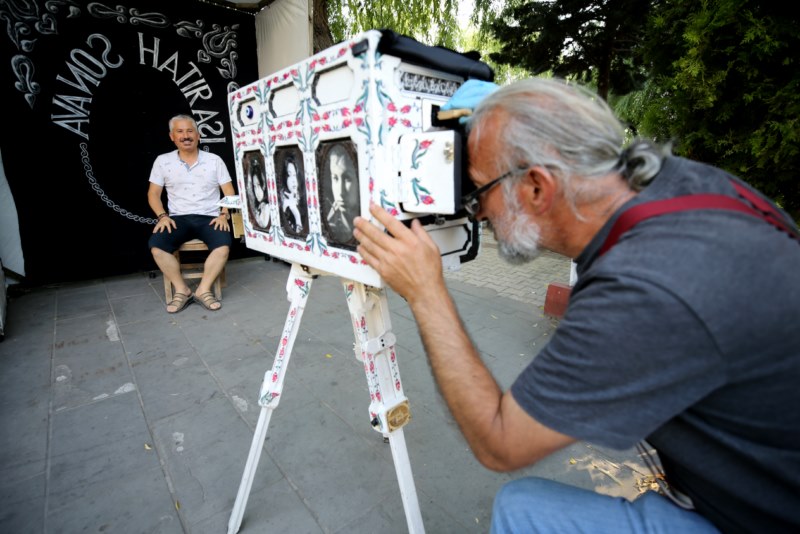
(388, 419)
(377, 344)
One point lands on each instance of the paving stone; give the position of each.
(204, 450)
(99, 442)
(82, 301)
(23, 502)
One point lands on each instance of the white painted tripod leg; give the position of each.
(297, 289)
(246, 484)
(388, 410)
(405, 479)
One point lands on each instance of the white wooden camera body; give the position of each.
(317, 142)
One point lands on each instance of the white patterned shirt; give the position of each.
(191, 190)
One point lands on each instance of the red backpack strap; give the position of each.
(766, 210)
(640, 212)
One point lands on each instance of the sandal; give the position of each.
(180, 300)
(207, 300)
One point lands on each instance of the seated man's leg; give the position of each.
(162, 245)
(535, 505)
(219, 246)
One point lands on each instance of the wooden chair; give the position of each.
(193, 271)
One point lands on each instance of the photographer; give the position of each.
(681, 330)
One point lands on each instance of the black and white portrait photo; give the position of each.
(255, 179)
(337, 165)
(291, 191)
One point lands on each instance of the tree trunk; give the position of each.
(322, 38)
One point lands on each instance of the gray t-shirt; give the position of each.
(687, 333)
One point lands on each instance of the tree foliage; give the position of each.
(433, 22)
(724, 84)
(593, 41)
(719, 78)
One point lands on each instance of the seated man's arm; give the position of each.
(227, 189)
(501, 434)
(154, 200)
(221, 221)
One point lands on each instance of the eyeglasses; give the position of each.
(472, 201)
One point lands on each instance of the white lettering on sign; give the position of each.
(190, 82)
(86, 71)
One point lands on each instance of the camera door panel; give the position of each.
(430, 172)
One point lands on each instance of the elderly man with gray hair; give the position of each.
(681, 329)
(193, 179)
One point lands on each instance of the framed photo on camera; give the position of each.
(291, 185)
(255, 180)
(340, 197)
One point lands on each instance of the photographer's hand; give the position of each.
(408, 259)
(500, 433)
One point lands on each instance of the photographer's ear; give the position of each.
(538, 189)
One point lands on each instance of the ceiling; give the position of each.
(245, 5)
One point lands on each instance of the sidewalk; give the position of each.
(118, 417)
(523, 283)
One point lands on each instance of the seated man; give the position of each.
(681, 328)
(193, 179)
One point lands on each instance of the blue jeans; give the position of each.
(537, 505)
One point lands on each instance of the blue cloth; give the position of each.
(536, 505)
(469, 95)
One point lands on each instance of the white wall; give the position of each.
(10, 247)
(283, 35)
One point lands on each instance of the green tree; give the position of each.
(725, 85)
(593, 41)
(433, 22)
(477, 38)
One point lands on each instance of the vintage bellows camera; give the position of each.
(317, 142)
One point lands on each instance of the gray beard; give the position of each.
(522, 244)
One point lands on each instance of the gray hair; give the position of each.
(182, 118)
(570, 131)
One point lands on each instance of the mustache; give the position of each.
(186, 139)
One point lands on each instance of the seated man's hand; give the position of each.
(165, 223)
(220, 223)
(408, 259)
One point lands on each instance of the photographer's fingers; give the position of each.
(371, 260)
(369, 238)
(373, 239)
(404, 258)
(395, 227)
(424, 236)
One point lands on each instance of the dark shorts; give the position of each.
(190, 227)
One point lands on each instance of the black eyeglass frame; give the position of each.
(472, 201)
